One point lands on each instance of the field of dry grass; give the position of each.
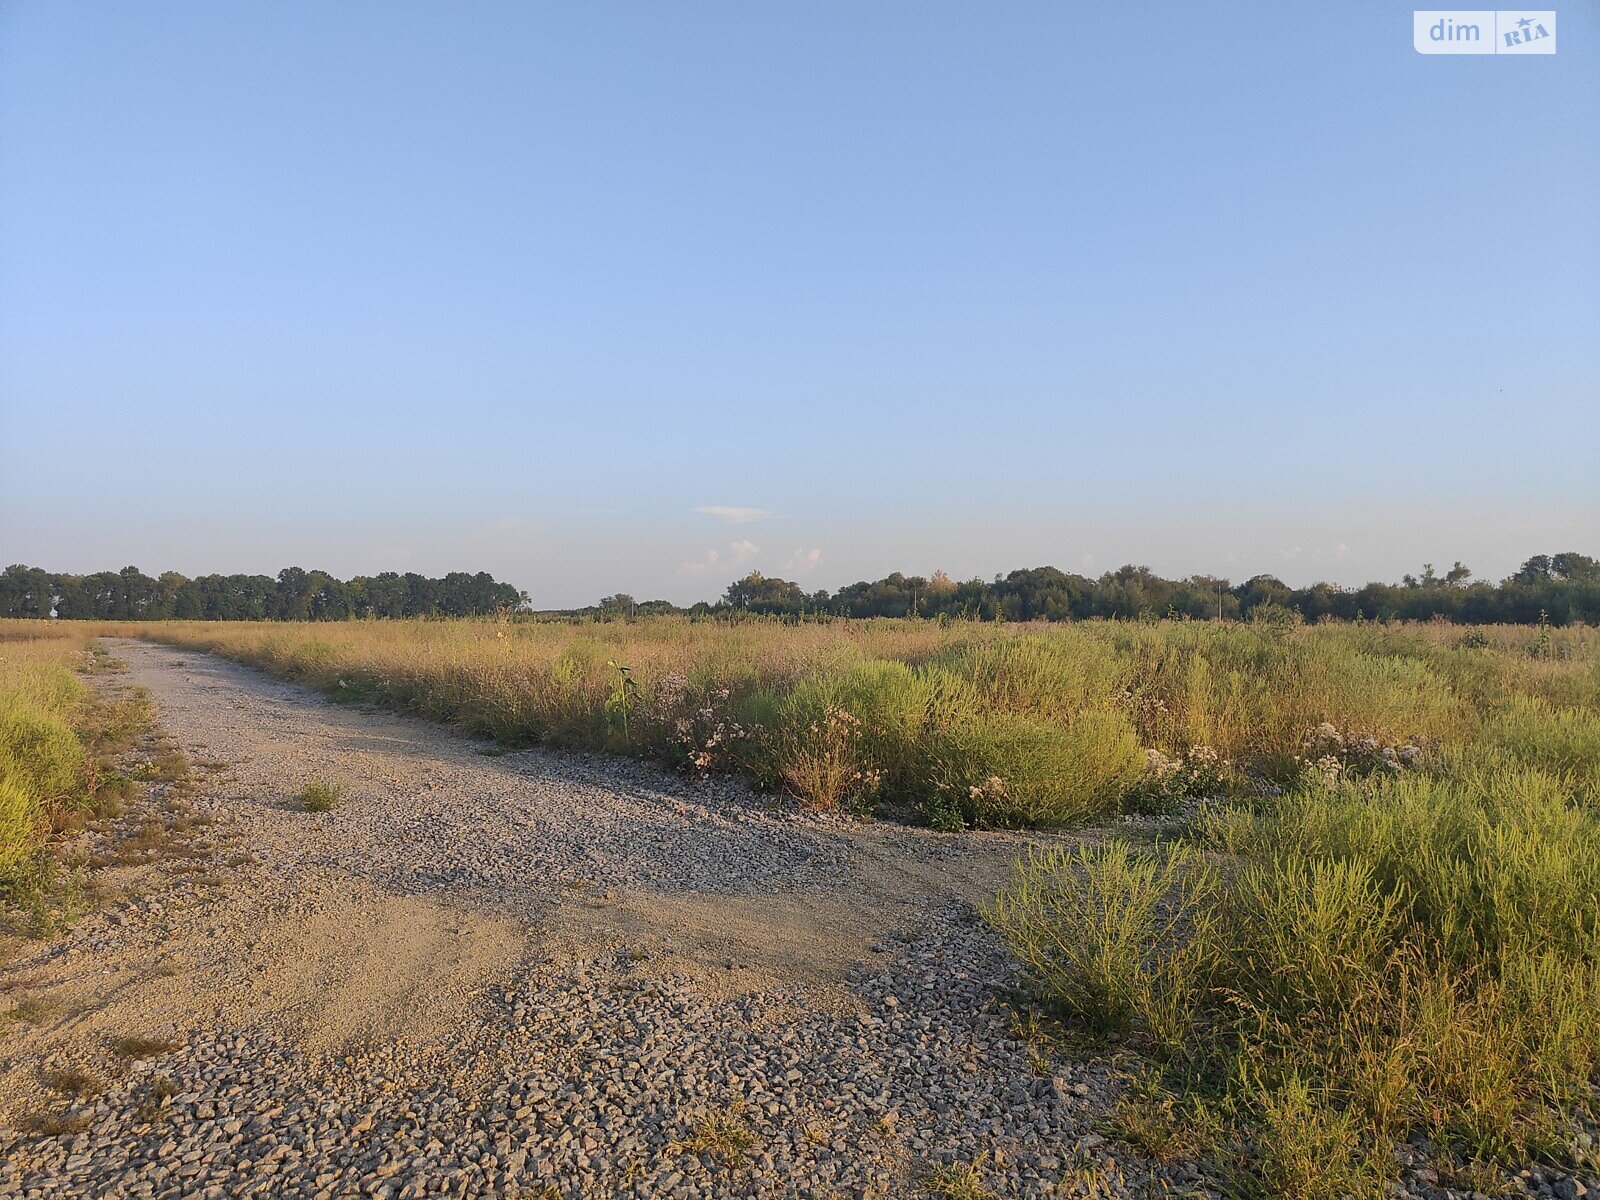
(966, 723)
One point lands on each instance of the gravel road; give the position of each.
(529, 975)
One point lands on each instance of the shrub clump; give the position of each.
(1020, 770)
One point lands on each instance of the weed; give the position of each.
(958, 1181)
(320, 796)
(1405, 953)
(139, 1046)
(72, 1082)
(54, 1124)
(1038, 1062)
(1167, 1124)
(32, 1010)
(153, 1098)
(1116, 937)
(722, 1136)
(16, 983)
(624, 695)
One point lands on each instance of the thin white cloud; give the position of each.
(733, 515)
(802, 562)
(737, 554)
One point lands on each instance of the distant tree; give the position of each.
(1535, 570)
(26, 592)
(1577, 568)
(759, 594)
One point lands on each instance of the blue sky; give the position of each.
(531, 287)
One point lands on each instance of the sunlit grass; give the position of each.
(982, 723)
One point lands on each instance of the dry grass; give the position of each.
(142, 1046)
(32, 1010)
(970, 722)
(721, 1135)
(958, 1181)
(54, 1124)
(73, 1082)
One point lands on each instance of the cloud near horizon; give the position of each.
(732, 514)
(738, 553)
(802, 562)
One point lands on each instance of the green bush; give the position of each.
(1005, 769)
(1120, 939)
(891, 705)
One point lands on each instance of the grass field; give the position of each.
(966, 722)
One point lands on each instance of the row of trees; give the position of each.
(1561, 588)
(294, 595)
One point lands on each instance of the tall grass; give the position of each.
(44, 768)
(1412, 952)
(970, 722)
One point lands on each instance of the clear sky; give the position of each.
(638, 297)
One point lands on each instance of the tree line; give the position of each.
(294, 594)
(1559, 588)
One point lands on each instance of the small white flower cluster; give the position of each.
(1202, 772)
(702, 733)
(1145, 708)
(1330, 755)
(991, 789)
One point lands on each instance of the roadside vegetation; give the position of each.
(963, 723)
(57, 741)
(1399, 954)
(1364, 937)
(320, 796)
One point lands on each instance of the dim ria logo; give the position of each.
(1483, 31)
